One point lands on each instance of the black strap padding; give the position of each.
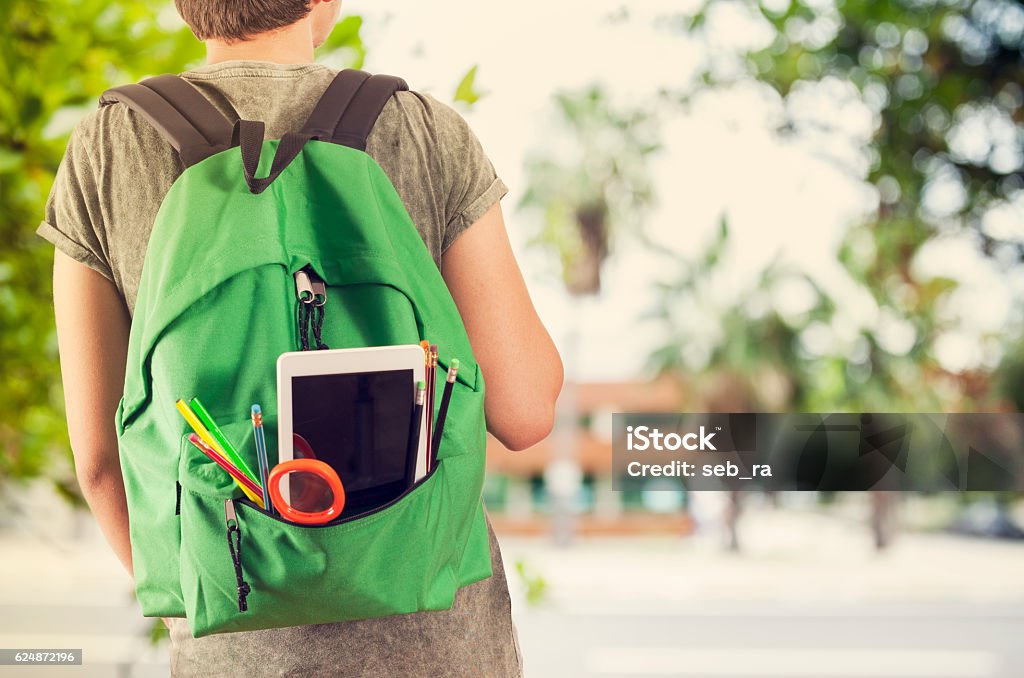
(350, 106)
(345, 114)
(248, 134)
(332, 103)
(182, 115)
(192, 104)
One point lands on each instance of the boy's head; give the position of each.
(236, 20)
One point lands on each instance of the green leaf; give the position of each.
(467, 92)
(346, 37)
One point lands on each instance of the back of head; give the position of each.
(241, 20)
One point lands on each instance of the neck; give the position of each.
(289, 45)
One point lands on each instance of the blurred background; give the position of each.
(718, 206)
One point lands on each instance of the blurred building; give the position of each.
(517, 491)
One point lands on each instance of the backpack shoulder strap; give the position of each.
(182, 115)
(349, 107)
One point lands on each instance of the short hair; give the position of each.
(239, 19)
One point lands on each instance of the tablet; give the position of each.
(352, 408)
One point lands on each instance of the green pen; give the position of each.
(229, 450)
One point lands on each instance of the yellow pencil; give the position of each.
(205, 436)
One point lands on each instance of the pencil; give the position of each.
(223, 445)
(412, 451)
(431, 389)
(254, 493)
(442, 414)
(261, 454)
(204, 435)
(425, 345)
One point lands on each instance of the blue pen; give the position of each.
(261, 454)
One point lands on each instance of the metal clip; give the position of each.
(303, 287)
(229, 513)
(319, 290)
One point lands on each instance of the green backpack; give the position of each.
(217, 305)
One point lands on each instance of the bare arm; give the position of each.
(521, 366)
(92, 335)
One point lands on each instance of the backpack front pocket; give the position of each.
(244, 569)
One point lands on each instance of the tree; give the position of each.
(56, 59)
(592, 184)
(942, 81)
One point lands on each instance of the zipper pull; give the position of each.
(235, 547)
(319, 289)
(303, 286)
(229, 514)
(319, 300)
(312, 293)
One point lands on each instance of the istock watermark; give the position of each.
(644, 437)
(815, 451)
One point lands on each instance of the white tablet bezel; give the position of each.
(343, 361)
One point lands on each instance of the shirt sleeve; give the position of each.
(73, 220)
(470, 181)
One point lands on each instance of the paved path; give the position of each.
(759, 639)
(808, 597)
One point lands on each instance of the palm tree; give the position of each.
(591, 183)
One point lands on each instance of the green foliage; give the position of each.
(345, 43)
(467, 92)
(929, 65)
(158, 632)
(593, 185)
(536, 585)
(56, 58)
(742, 355)
(925, 70)
(1010, 376)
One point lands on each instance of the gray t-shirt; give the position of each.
(100, 211)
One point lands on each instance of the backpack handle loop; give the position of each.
(248, 134)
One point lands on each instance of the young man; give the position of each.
(109, 186)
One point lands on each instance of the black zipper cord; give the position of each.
(314, 312)
(235, 545)
(304, 326)
(318, 324)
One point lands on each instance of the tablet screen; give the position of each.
(358, 423)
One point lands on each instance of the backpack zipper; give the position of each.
(348, 519)
(303, 286)
(319, 288)
(235, 547)
(311, 291)
(310, 288)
